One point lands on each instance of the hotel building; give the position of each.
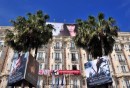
(62, 54)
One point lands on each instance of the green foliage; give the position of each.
(97, 35)
(29, 32)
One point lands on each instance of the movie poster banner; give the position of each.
(98, 72)
(69, 30)
(32, 70)
(18, 67)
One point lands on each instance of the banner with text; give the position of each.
(98, 72)
(18, 67)
(32, 70)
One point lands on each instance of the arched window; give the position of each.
(57, 45)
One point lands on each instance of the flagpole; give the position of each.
(65, 82)
(69, 80)
(43, 81)
(47, 82)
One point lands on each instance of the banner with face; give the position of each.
(69, 30)
(18, 67)
(32, 70)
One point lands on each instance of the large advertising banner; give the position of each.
(32, 70)
(18, 67)
(57, 26)
(69, 30)
(98, 72)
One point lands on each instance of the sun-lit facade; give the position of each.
(62, 54)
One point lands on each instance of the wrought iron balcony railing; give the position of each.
(58, 60)
(122, 62)
(74, 61)
(57, 47)
(40, 59)
(72, 48)
(118, 50)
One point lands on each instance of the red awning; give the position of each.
(75, 72)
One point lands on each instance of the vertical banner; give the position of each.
(53, 79)
(57, 82)
(32, 70)
(98, 72)
(18, 67)
(63, 82)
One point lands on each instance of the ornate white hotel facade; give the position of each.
(62, 54)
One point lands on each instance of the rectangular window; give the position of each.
(123, 69)
(72, 45)
(57, 56)
(116, 47)
(40, 66)
(57, 46)
(127, 83)
(73, 56)
(122, 46)
(57, 67)
(74, 67)
(120, 58)
(40, 55)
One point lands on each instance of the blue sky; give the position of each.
(67, 10)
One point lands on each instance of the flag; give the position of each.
(40, 72)
(46, 72)
(63, 81)
(58, 82)
(53, 79)
(18, 62)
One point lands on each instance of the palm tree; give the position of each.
(29, 32)
(96, 35)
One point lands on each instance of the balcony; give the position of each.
(40, 59)
(118, 50)
(123, 41)
(57, 47)
(72, 48)
(57, 60)
(75, 86)
(123, 74)
(75, 61)
(122, 62)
